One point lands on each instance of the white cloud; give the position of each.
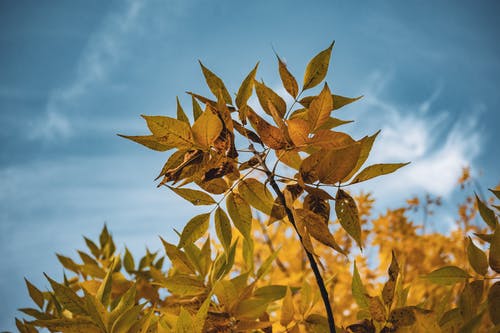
(437, 143)
(103, 52)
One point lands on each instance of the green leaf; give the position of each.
(245, 90)
(197, 198)
(150, 141)
(240, 213)
(317, 68)
(223, 228)
(266, 95)
(181, 115)
(358, 290)
(477, 258)
(194, 229)
(486, 213)
(256, 194)
(68, 298)
(494, 255)
(289, 82)
(216, 85)
(207, 128)
(447, 275)
(376, 170)
(172, 132)
(347, 214)
(287, 310)
(35, 294)
(320, 108)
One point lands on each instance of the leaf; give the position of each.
(470, 298)
(496, 192)
(327, 139)
(390, 285)
(271, 292)
(317, 68)
(340, 101)
(477, 258)
(335, 164)
(486, 213)
(75, 325)
(178, 258)
(376, 308)
(197, 111)
(104, 292)
(35, 294)
(127, 301)
(250, 308)
(240, 213)
(366, 146)
(172, 132)
(181, 115)
(67, 297)
(201, 315)
(494, 255)
(494, 303)
(194, 229)
(269, 134)
(447, 275)
(358, 290)
(149, 141)
(320, 108)
(245, 90)
(183, 285)
(317, 228)
(215, 84)
(223, 228)
(266, 95)
(347, 214)
(289, 82)
(197, 198)
(124, 322)
(318, 205)
(298, 130)
(97, 311)
(128, 261)
(287, 310)
(376, 170)
(256, 194)
(207, 128)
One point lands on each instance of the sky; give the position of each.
(75, 73)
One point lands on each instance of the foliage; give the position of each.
(278, 195)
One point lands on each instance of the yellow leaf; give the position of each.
(320, 108)
(334, 122)
(206, 129)
(256, 194)
(486, 213)
(216, 85)
(178, 258)
(317, 68)
(67, 297)
(477, 258)
(172, 132)
(104, 292)
(335, 164)
(197, 111)
(358, 290)
(327, 139)
(290, 158)
(35, 294)
(270, 135)
(298, 130)
(194, 229)
(347, 214)
(97, 311)
(494, 255)
(338, 101)
(150, 141)
(390, 285)
(127, 301)
(447, 275)
(266, 95)
(240, 213)
(201, 315)
(223, 228)
(287, 310)
(197, 198)
(317, 228)
(376, 170)
(366, 146)
(251, 308)
(184, 322)
(245, 90)
(289, 82)
(181, 115)
(183, 285)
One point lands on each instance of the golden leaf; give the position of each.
(270, 135)
(207, 128)
(197, 198)
(288, 80)
(223, 228)
(172, 131)
(149, 141)
(320, 108)
(347, 214)
(287, 310)
(245, 90)
(194, 229)
(266, 95)
(335, 164)
(216, 85)
(376, 170)
(317, 68)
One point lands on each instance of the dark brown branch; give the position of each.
(312, 261)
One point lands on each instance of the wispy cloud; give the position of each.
(437, 143)
(102, 54)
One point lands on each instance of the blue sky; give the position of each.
(75, 73)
